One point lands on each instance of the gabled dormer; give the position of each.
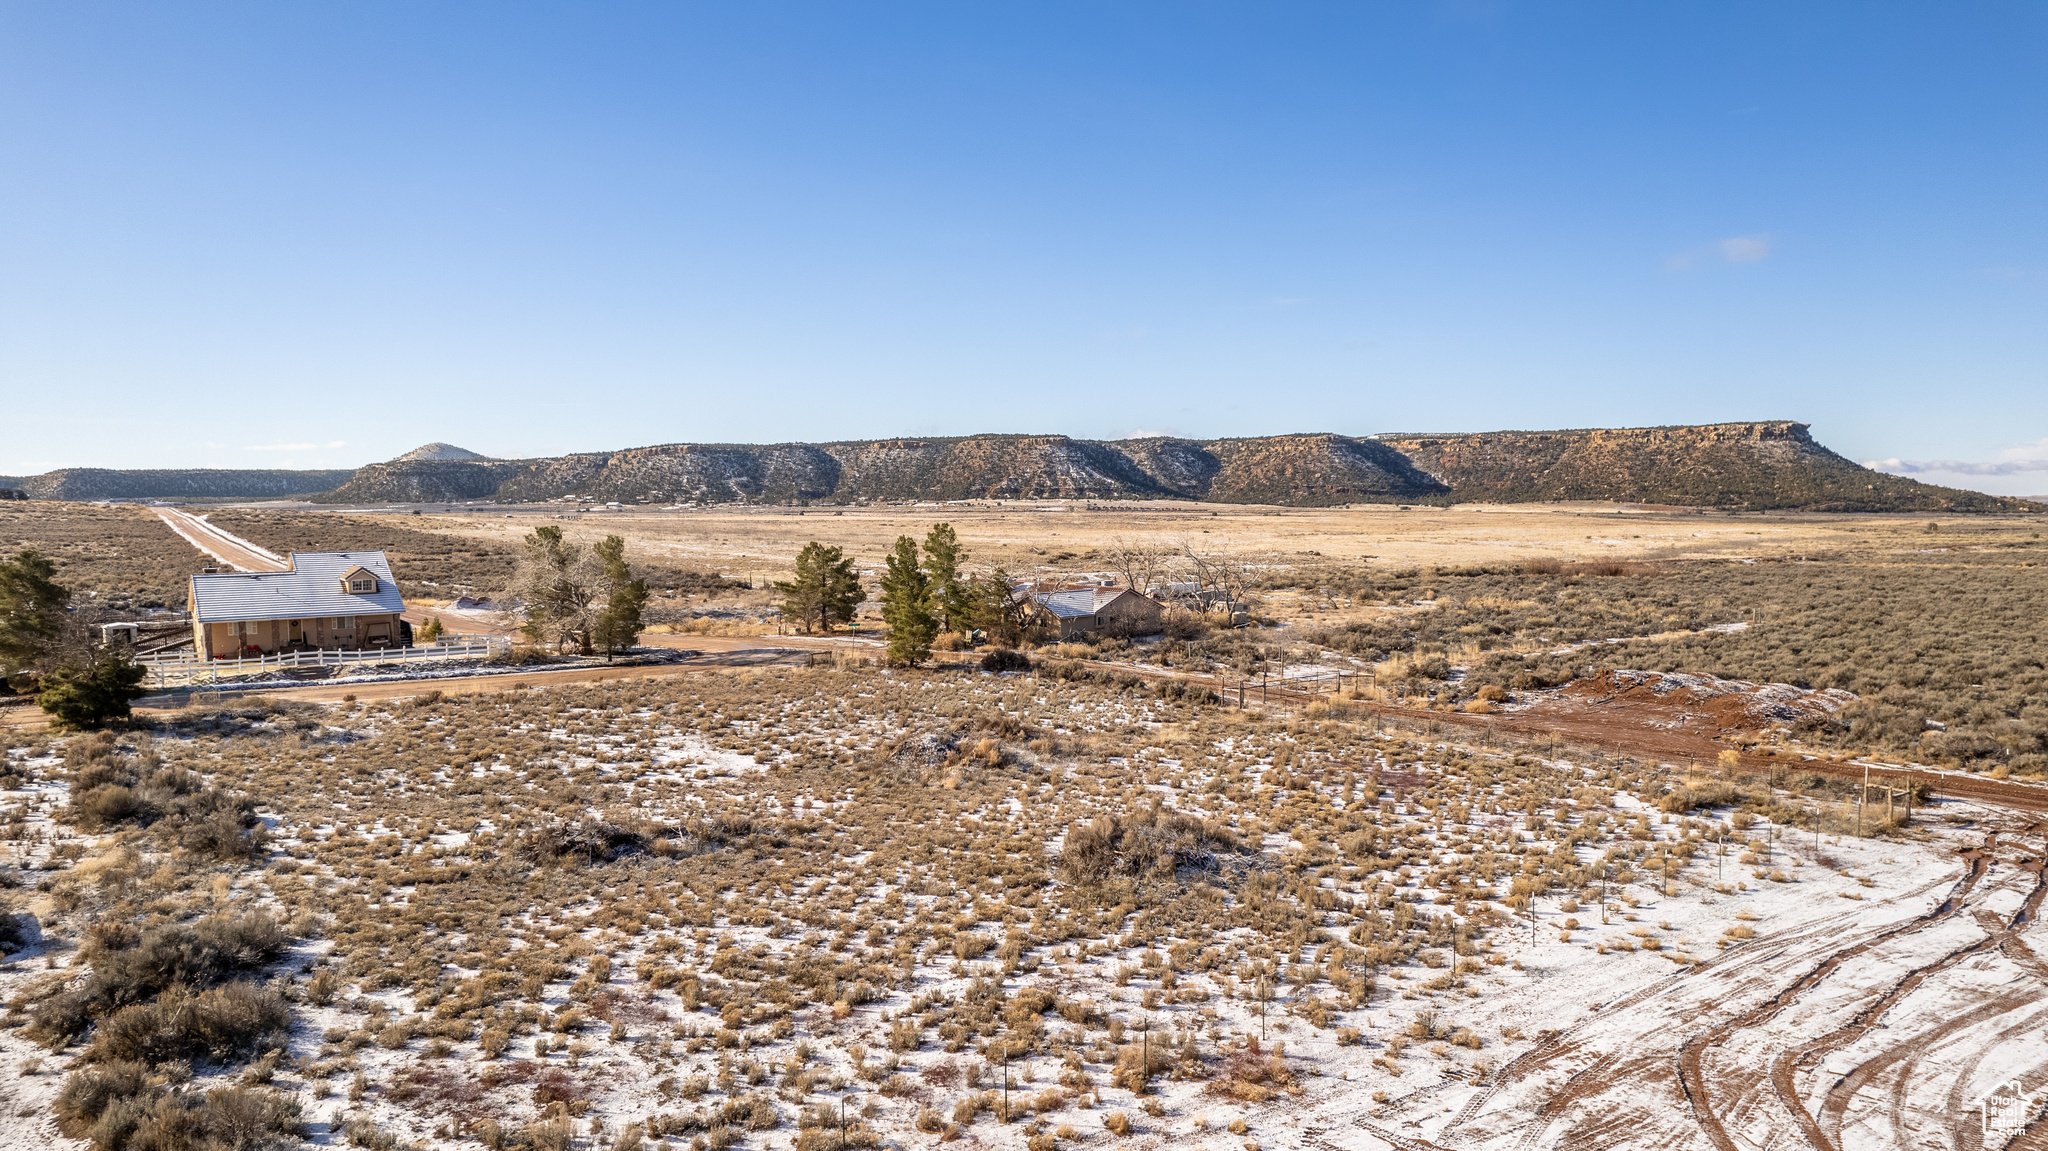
(359, 581)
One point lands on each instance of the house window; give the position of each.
(362, 586)
(344, 623)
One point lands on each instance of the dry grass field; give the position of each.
(1070, 537)
(1935, 624)
(120, 555)
(799, 905)
(841, 905)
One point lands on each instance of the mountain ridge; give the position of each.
(1769, 463)
(83, 484)
(1755, 465)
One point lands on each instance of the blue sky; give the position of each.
(320, 234)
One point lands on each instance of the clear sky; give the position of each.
(318, 234)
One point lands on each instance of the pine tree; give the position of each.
(559, 589)
(950, 597)
(79, 698)
(907, 605)
(824, 591)
(995, 609)
(83, 684)
(618, 624)
(32, 606)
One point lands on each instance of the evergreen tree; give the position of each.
(87, 697)
(32, 607)
(907, 605)
(995, 609)
(951, 600)
(83, 684)
(558, 585)
(825, 590)
(618, 625)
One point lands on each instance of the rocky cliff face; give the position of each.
(1753, 465)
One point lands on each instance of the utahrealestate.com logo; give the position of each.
(2007, 1111)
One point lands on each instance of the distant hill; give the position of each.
(1772, 465)
(1303, 469)
(85, 484)
(437, 451)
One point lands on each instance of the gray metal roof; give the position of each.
(311, 588)
(1077, 602)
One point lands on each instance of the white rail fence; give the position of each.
(189, 671)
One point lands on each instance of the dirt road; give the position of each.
(231, 550)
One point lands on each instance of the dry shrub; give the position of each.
(558, 1086)
(129, 968)
(856, 1134)
(1136, 1063)
(557, 1134)
(1251, 1076)
(1003, 659)
(1698, 794)
(116, 1109)
(1117, 1122)
(89, 1091)
(218, 1024)
(753, 1112)
(1157, 841)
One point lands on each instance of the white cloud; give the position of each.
(1745, 249)
(2011, 462)
(1733, 250)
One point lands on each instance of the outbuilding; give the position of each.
(325, 601)
(1086, 611)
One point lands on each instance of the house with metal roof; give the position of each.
(1084, 611)
(325, 601)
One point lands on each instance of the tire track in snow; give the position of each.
(1590, 1080)
(1692, 1075)
(1785, 1066)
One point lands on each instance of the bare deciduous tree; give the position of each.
(1220, 576)
(1143, 564)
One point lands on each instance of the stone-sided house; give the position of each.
(1085, 611)
(326, 601)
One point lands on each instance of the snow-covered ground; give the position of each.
(1848, 993)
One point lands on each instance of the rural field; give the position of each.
(1579, 854)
